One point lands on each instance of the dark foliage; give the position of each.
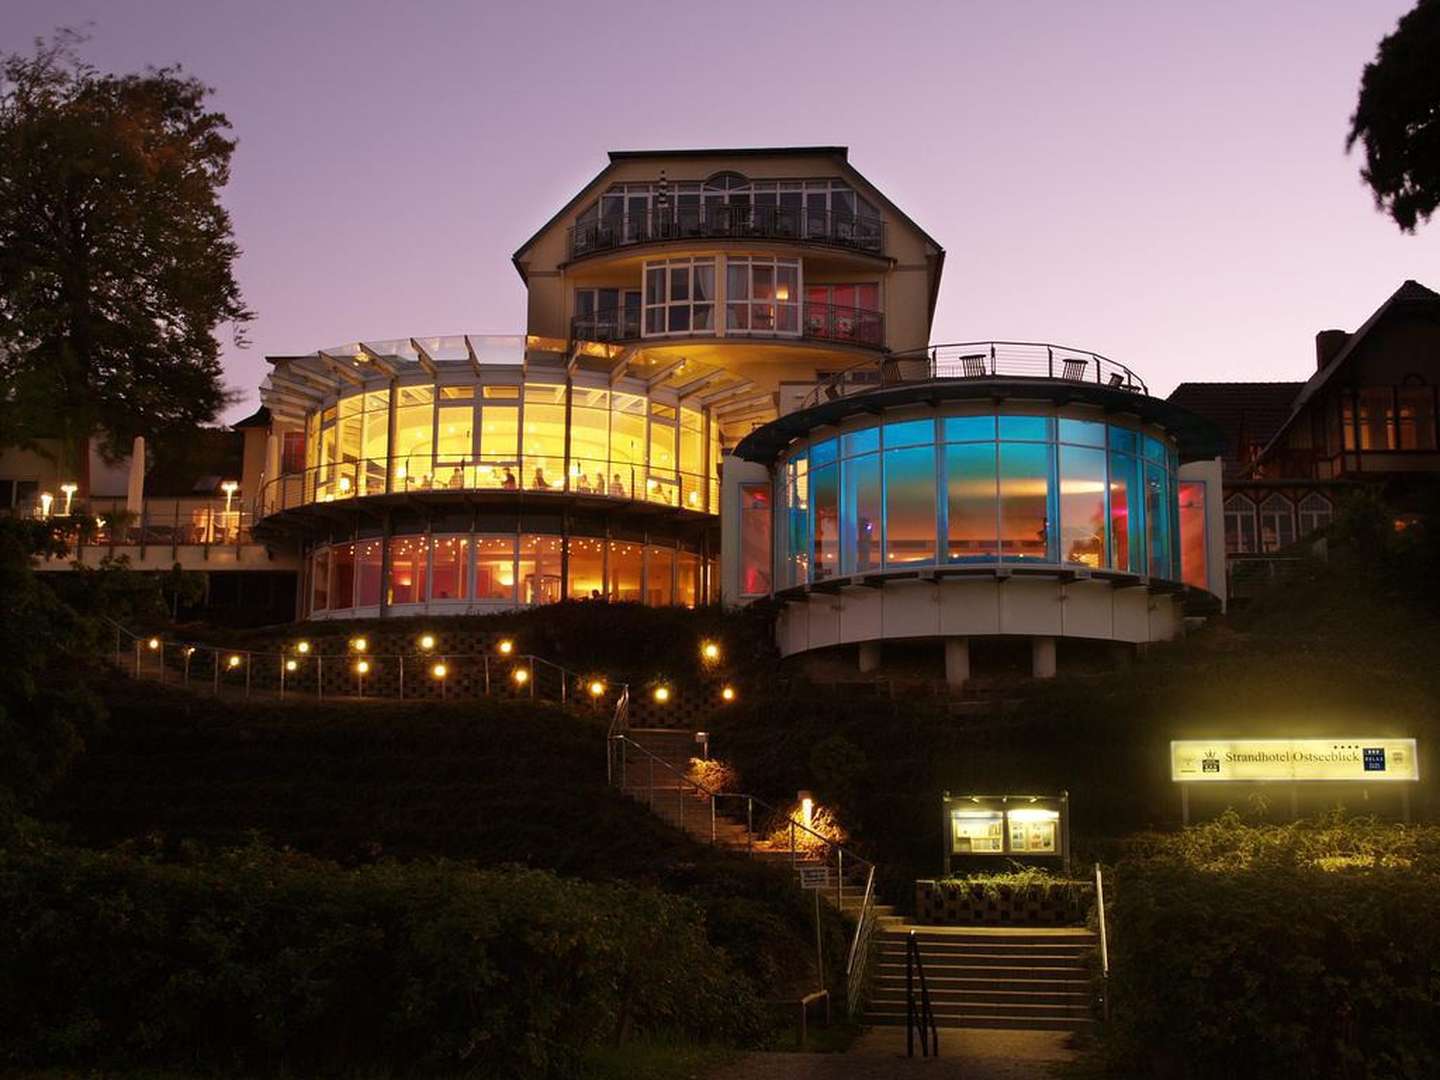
(258, 959)
(1397, 119)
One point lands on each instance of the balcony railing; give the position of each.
(728, 222)
(980, 360)
(177, 522)
(551, 475)
(818, 322)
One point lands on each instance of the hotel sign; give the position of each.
(1364, 760)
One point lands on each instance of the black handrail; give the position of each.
(819, 322)
(731, 221)
(921, 1018)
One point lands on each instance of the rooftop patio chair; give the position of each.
(973, 366)
(1115, 380)
(1073, 369)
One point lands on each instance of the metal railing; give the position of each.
(179, 522)
(1104, 944)
(1250, 574)
(820, 322)
(808, 850)
(980, 360)
(727, 222)
(427, 675)
(919, 1016)
(436, 473)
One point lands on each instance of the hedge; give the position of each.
(259, 959)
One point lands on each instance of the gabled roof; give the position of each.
(1247, 412)
(840, 153)
(1410, 296)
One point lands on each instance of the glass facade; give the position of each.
(535, 436)
(978, 489)
(488, 571)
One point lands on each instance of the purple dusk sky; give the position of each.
(1162, 183)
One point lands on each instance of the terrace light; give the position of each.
(506, 647)
(45, 500)
(439, 671)
(234, 660)
(69, 490)
(291, 665)
(359, 644)
(362, 667)
(154, 643)
(596, 688)
(661, 695)
(427, 642)
(521, 676)
(727, 694)
(302, 647)
(710, 652)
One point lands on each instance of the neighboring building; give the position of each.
(1367, 415)
(756, 321)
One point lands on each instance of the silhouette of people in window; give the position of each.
(600, 483)
(583, 485)
(509, 482)
(457, 478)
(617, 488)
(540, 483)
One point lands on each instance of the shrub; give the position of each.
(1301, 950)
(264, 959)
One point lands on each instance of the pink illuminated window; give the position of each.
(754, 539)
(1192, 535)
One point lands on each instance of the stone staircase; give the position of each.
(1033, 978)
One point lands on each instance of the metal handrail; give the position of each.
(858, 965)
(980, 360)
(413, 474)
(1104, 944)
(247, 662)
(818, 321)
(921, 1019)
(730, 221)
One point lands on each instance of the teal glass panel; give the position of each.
(860, 515)
(1127, 533)
(1154, 449)
(823, 453)
(969, 428)
(860, 442)
(1124, 440)
(1029, 428)
(1083, 432)
(825, 493)
(909, 433)
(971, 526)
(1082, 505)
(910, 505)
(1157, 520)
(795, 568)
(1025, 485)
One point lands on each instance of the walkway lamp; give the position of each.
(506, 647)
(438, 672)
(302, 647)
(233, 662)
(520, 675)
(710, 652)
(427, 642)
(727, 694)
(661, 694)
(153, 643)
(359, 644)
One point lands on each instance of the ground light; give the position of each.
(302, 647)
(727, 693)
(234, 660)
(438, 671)
(362, 667)
(506, 647)
(359, 644)
(291, 665)
(154, 643)
(427, 642)
(661, 695)
(710, 652)
(521, 676)
(596, 688)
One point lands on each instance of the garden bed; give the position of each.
(1027, 898)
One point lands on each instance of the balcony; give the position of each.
(817, 322)
(981, 360)
(863, 234)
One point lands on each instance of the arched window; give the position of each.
(1240, 525)
(1277, 523)
(1315, 513)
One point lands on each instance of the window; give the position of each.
(909, 502)
(453, 446)
(1127, 518)
(539, 569)
(754, 539)
(1082, 504)
(844, 313)
(1193, 568)
(1416, 417)
(1315, 513)
(320, 581)
(587, 568)
(495, 568)
(659, 576)
(368, 554)
(543, 466)
(627, 562)
(1240, 526)
(1277, 523)
(589, 440)
(342, 576)
(794, 539)
(762, 296)
(687, 579)
(679, 297)
(407, 570)
(292, 453)
(692, 459)
(1376, 405)
(414, 438)
(449, 567)
(607, 314)
(1025, 533)
(499, 438)
(627, 445)
(1158, 518)
(972, 533)
(825, 487)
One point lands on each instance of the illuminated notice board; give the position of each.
(1362, 760)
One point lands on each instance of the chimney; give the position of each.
(1328, 344)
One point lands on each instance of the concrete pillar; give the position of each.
(869, 656)
(957, 661)
(272, 470)
(135, 489)
(1042, 657)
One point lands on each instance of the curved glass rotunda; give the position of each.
(1032, 491)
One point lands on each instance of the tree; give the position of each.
(116, 256)
(1398, 119)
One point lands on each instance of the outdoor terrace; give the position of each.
(727, 222)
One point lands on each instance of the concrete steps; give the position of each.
(989, 977)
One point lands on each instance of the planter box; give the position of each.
(962, 903)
